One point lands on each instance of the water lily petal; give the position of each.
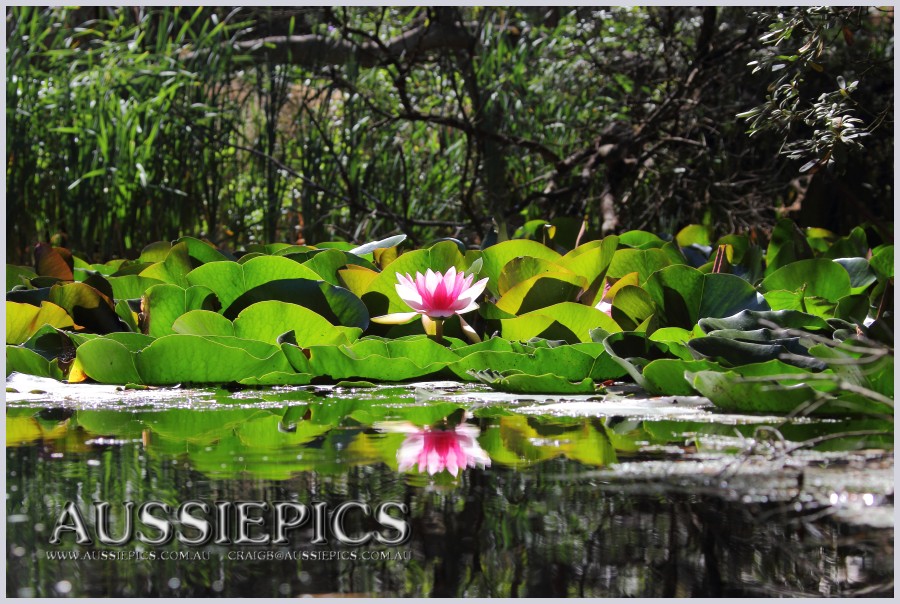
(397, 318)
(470, 333)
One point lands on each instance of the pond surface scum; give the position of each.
(576, 495)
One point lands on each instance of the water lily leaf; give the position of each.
(128, 316)
(155, 252)
(129, 287)
(732, 352)
(739, 394)
(203, 323)
(23, 320)
(87, 307)
(667, 376)
(853, 308)
(633, 351)
(684, 295)
(565, 361)
(577, 320)
(381, 359)
(787, 245)
(498, 256)
(173, 269)
(327, 264)
(591, 261)
(694, 234)
(640, 239)
(336, 304)
(18, 275)
(796, 301)
(164, 303)
(522, 268)
(381, 297)
(201, 252)
(357, 279)
(541, 291)
(861, 274)
(882, 262)
(520, 383)
(814, 277)
(631, 306)
(853, 245)
(108, 362)
(22, 360)
(179, 358)
(875, 373)
(750, 319)
(53, 262)
(230, 280)
(268, 320)
(278, 378)
(643, 262)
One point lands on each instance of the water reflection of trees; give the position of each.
(550, 530)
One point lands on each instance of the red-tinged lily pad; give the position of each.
(87, 307)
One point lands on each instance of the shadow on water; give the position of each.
(589, 507)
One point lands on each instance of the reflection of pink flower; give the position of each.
(436, 296)
(439, 449)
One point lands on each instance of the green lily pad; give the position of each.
(108, 362)
(230, 280)
(174, 268)
(522, 268)
(787, 245)
(381, 359)
(882, 262)
(179, 358)
(643, 262)
(23, 360)
(576, 320)
(694, 233)
(130, 287)
(23, 320)
(336, 304)
(751, 319)
(268, 320)
(684, 295)
(520, 383)
(631, 306)
(667, 376)
(164, 303)
(541, 291)
(327, 264)
(18, 275)
(203, 323)
(817, 277)
(497, 256)
(861, 274)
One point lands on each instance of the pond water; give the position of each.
(576, 496)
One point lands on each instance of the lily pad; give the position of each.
(574, 319)
(268, 320)
(163, 304)
(23, 320)
(179, 358)
(87, 307)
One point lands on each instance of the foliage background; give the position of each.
(128, 125)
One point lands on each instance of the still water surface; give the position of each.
(566, 499)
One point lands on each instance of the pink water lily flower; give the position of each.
(438, 449)
(435, 296)
(605, 304)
